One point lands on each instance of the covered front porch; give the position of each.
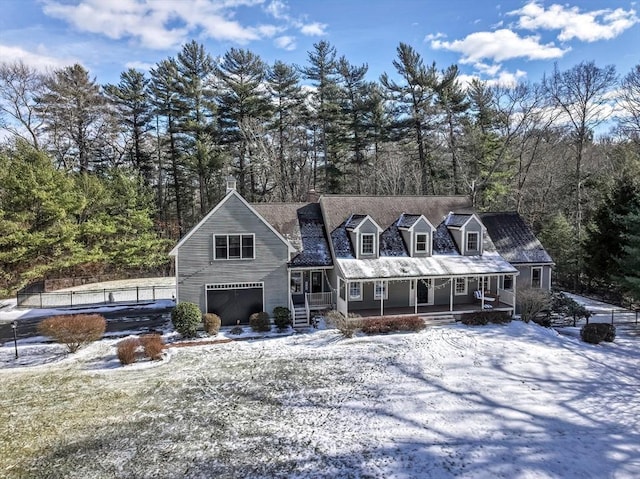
(427, 295)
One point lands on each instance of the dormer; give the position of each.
(417, 233)
(365, 236)
(467, 231)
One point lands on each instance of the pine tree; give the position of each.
(629, 260)
(415, 100)
(242, 97)
(134, 112)
(74, 114)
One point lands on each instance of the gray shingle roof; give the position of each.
(457, 219)
(385, 210)
(407, 220)
(302, 225)
(513, 239)
(354, 221)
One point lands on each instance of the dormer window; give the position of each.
(367, 242)
(473, 241)
(422, 243)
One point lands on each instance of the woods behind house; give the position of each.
(105, 178)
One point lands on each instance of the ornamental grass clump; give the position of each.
(152, 346)
(212, 323)
(128, 350)
(74, 331)
(346, 326)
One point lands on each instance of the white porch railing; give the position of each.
(507, 297)
(319, 300)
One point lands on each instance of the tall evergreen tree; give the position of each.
(73, 110)
(134, 112)
(194, 85)
(322, 73)
(241, 97)
(415, 98)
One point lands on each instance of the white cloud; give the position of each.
(507, 79)
(141, 66)
(40, 60)
(313, 29)
(163, 24)
(286, 42)
(499, 46)
(434, 36)
(588, 26)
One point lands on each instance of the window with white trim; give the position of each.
(355, 291)
(367, 243)
(380, 290)
(233, 246)
(507, 282)
(460, 286)
(473, 241)
(536, 277)
(422, 243)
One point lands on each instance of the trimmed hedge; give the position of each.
(389, 324)
(281, 317)
(260, 322)
(594, 333)
(186, 318)
(481, 318)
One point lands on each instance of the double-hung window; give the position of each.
(355, 291)
(536, 277)
(422, 243)
(473, 241)
(234, 246)
(460, 286)
(380, 290)
(367, 241)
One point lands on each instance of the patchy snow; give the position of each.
(501, 401)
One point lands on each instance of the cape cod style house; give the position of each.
(357, 254)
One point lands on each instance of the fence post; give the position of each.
(153, 292)
(612, 316)
(40, 294)
(104, 295)
(636, 316)
(137, 294)
(71, 298)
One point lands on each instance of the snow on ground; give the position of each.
(500, 401)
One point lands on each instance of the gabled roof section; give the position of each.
(513, 239)
(457, 220)
(407, 221)
(392, 243)
(231, 194)
(302, 225)
(385, 210)
(355, 221)
(443, 242)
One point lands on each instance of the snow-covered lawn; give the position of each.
(509, 401)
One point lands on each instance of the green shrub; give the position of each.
(185, 318)
(128, 350)
(346, 326)
(566, 306)
(75, 330)
(480, 318)
(281, 317)
(152, 346)
(594, 333)
(388, 324)
(212, 323)
(260, 322)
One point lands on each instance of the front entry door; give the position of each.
(316, 281)
(425, 291)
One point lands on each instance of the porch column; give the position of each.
(514, 294)
(482, 290)
(384, 286)
(415, 296)
(346, 298)
(451, 281)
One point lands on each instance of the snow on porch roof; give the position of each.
(438, 265)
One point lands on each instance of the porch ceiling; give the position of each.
(437, 265)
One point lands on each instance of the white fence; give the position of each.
(58, 299)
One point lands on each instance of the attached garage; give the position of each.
(235, 302)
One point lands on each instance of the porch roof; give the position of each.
(433, 266)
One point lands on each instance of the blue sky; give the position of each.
(497, 42)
